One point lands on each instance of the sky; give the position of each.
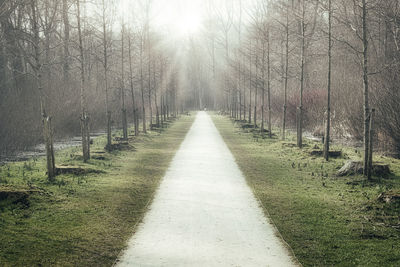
(179, 16)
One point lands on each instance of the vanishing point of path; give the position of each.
(204, 213)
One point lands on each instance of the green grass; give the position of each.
(83, 220)
(328, 221)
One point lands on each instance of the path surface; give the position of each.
(204, 213)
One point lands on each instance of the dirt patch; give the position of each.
(372, 235)
(121, 146)
(75, 170)
(10, 195)
(389, 197)
(121, 139)
(241, 121)
(98, 157)
(291, 145)
(248, 126)
(98, 152)
(15, 197)
(332, 154)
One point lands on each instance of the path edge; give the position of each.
(267, 215)
(151, 199)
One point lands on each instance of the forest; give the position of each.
(229, 125)
(272, 62)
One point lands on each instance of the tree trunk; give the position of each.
(244, 93)
(149, 69)
(300, 110)
(105, 64)
(66, 65)
(84, 117)
(328, 110)
(263, 87)
(151, 109)
(155, 92)
(366, 85)
(142, 86)
(47, 129)
(250, 84)
(269, 83)
(48, 137)
(134, 109)
(47, 37)
(169, 106)
(123, 109)
(256, 87)
(162, 111)
(371, 141)
(240, 62)
(286, 75)
(166, 107)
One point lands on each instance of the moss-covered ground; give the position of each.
(328, 221)
(82, 220)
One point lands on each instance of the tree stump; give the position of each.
(357, 167)
(332, 154)
(121, 146)
(75, 170)
(13, 195)
(389, 197)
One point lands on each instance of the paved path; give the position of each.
(204, 213)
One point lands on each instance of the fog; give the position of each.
(245, 58)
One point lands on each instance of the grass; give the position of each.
(328, 221)
(82, 220)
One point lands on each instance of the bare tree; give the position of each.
(106, 81)
(303, 51)
(134, 104)
(122, 91)
(286, 75)
(156, 85)
(141, 51)
(66, 66)
(149, 60)
(268, 37)
(85, 132)
(37, 68)
(366, 85)
(328, 109)
(250, 79)
(256, 81)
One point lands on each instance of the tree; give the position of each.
(122, 91)
(66, 66)
(303, 51)
(366, 85)
(286, 75)
(256, 82)
(328, 109)
(250, 78)
(105, 66)
(268, 37)
(306, 36)
(37, 68)
(149, 60)
(85, 132)
(141, 48)
(134, 104)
